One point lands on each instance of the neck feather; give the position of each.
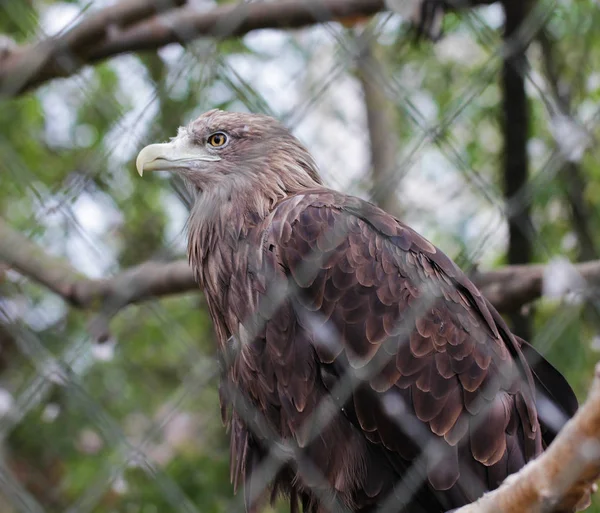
(224, 212)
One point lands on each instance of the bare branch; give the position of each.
(507, 288)
(24, 67)
(150, 279)
(131, 26)
(30, 260)
(512, 286)
(145, 281)
(105, 296)
(112, 31)
(118, 16)
(561, 479)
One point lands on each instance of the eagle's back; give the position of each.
(371, 360)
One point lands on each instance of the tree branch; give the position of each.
(24, 67)
(105, 296)
(131, 26)
(513, 286)
(124, 28)
(507, 288)
(30, 260)
(562, 478)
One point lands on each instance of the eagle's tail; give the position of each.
(555, 400)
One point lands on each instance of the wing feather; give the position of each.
(364, 296)
(400, 306)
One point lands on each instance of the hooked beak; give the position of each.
(169, 156)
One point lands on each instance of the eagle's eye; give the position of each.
(218, 139)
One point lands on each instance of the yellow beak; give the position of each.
(153, 157)
(170, 156)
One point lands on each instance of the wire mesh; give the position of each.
(130, 423)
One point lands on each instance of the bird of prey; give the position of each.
(361, 368)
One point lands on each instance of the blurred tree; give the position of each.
(132, 424)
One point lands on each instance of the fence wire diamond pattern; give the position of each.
(130, 422)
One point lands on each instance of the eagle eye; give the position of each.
(218, 139)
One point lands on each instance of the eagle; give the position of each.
(360, 367)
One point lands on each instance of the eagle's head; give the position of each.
(222, 149)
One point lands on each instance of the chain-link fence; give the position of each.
(483, 142)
